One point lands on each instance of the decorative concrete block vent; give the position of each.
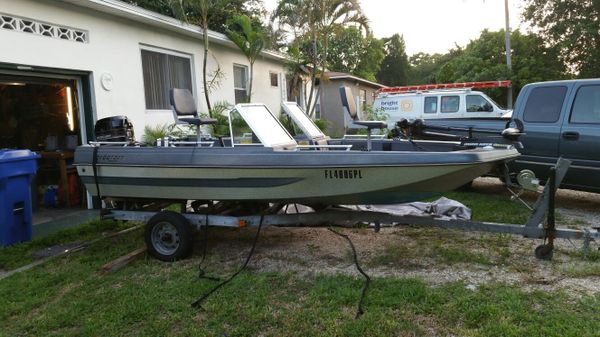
(25, 25)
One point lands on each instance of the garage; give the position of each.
(43, 112)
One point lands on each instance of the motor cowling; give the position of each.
(114, 129)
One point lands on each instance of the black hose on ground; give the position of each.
(199, 301)
(359, 310)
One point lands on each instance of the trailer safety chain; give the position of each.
(359, 310)
(95, 171)
(198, 302)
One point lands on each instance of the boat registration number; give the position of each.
(343, 174)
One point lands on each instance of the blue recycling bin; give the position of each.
(17, 169)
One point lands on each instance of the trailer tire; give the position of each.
(466, 187)
(169, 236)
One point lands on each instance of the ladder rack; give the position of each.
(438, 86)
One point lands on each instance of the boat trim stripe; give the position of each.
(187, 182)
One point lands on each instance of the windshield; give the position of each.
(263, 125)
(301, 119)
(494, 102)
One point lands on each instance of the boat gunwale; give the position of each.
(298, 166)
(299, 160)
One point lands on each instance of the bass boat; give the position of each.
(274, 168)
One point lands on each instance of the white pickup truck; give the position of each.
(455, 100)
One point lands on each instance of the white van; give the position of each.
(430, 104)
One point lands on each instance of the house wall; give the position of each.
(262, 91)
(331, 103)
(114, 48)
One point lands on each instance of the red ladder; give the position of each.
(471, 85)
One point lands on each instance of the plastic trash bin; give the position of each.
(17, 169)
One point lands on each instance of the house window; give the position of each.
(274, 79)
(363, 100)
(163, 72)
(318, 108)
(240, 83)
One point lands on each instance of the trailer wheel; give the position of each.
(168, 236)
(544, 252)
(466, 187)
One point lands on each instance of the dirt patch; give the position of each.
(309, 251)
(437, 256)
(575, 207)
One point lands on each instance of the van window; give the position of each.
(586, 108)
(476, 103)
(450, 103)
(544, 104)
(430, 105)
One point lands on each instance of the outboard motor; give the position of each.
(114, 129)
(466, 135)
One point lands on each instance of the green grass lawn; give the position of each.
(68, 297)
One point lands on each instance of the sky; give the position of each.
(435, 26)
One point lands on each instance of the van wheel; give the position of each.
(169, 236)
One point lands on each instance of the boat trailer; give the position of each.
(167, 231)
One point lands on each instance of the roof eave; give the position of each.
(357, 79)
(138, 14)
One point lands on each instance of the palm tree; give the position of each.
(315, 20)
(250, 41)
(181, 8)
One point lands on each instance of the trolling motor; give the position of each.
(470, 136)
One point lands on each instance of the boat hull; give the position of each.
(311, 178)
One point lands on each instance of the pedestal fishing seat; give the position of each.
(184, 110)
(350, 107)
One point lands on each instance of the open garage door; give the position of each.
(49, 113)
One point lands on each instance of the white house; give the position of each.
(64, 64)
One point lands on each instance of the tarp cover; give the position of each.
(442, 208)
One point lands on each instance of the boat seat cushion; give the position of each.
(183, 102)
(347, 101)
(185, 108)
(372, 124)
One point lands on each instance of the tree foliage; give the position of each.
(573, 27)
(484, 59)
(395, 67)
(250, 41)
(159, 6)
(311, 23)
(425, 67)
(354, 53)
(218, 11)
(198, 12)
(321, 17)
